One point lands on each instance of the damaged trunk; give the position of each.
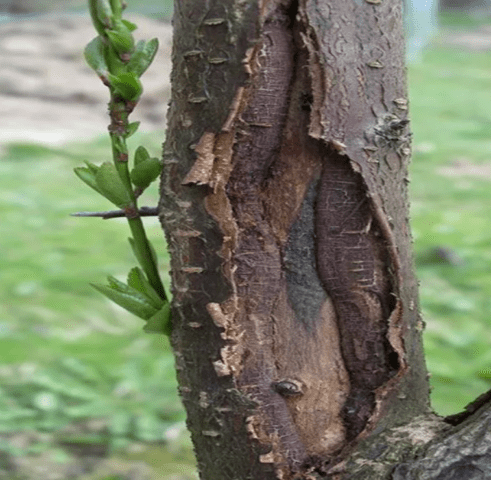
(296, 325)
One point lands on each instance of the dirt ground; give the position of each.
(49, 95)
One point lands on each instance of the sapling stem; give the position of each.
(119, 110)
(119, 63)
(145, 255)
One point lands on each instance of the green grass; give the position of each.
(52, 256)
(451, 118)
(67, 353)
(463, 21)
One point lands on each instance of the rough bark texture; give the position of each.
(463, 453)
(296, 326)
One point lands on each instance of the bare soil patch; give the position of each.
(49, 95)
(477, 40)
(463, 167)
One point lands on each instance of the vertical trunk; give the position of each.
(296, 327)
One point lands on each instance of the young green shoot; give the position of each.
(120, 62)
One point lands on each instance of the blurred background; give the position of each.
(84, 394)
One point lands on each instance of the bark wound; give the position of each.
(353, 263)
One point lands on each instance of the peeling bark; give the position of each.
(296, 325)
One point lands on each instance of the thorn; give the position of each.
(143, 212)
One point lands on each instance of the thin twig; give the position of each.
(143, 211)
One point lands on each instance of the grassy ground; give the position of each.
(66, 352)
(451, 208)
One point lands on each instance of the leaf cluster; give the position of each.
(120, 62)
(106, 180)
(139, 298)
(113, 55)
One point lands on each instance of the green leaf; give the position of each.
(135, 279)
(144, 173)
(141, 154)
(92, 167)
(96, 58)
(88, 177)
(117, 8)
(99, 26)
(143, 56)
(111, 186)
(121, 38)
(132, 128)
(128, 298)
(127, 84)
(138, 281)
(114, 62)
(104, 12)
(130, 25)
(116, 284)
(160, 322)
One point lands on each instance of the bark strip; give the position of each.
(354, 266)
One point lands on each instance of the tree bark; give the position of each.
(296, 329)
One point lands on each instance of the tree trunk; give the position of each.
(296, 328)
